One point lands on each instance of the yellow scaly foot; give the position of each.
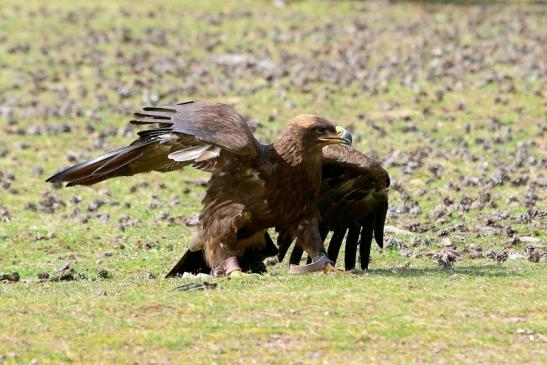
(331, 269)
(238, 274)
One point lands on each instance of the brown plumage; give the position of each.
(352, 204)
(253, 186)
(353, 200)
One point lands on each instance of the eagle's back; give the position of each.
(264, 189)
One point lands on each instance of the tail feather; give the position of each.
(192, 262)
(379, 221)
(365, 244)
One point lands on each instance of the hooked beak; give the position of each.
(343, 136)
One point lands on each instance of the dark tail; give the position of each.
(251, 261)
(192, 262)
(379, 222)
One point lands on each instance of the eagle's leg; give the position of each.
(222, 256)
(227, 267)
(309, 238)
(229, 241)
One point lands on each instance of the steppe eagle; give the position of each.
(308, 182)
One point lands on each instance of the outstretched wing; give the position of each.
(191, 133)
(353, 200)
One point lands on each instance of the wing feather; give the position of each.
(190, 133)
(188, 154)
(353, 199)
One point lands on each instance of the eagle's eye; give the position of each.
(320, 130)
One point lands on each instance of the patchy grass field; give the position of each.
(451, 98)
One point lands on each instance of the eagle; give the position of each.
(308, 182)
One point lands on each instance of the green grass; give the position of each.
(477, 312)
(422, 314)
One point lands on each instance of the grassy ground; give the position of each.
(450, 98)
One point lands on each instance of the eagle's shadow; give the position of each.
(486, 271)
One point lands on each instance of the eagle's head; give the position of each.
(315, 132)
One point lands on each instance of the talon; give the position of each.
(321, 265)
(229, 267)
(237, 274)
(331, 269)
